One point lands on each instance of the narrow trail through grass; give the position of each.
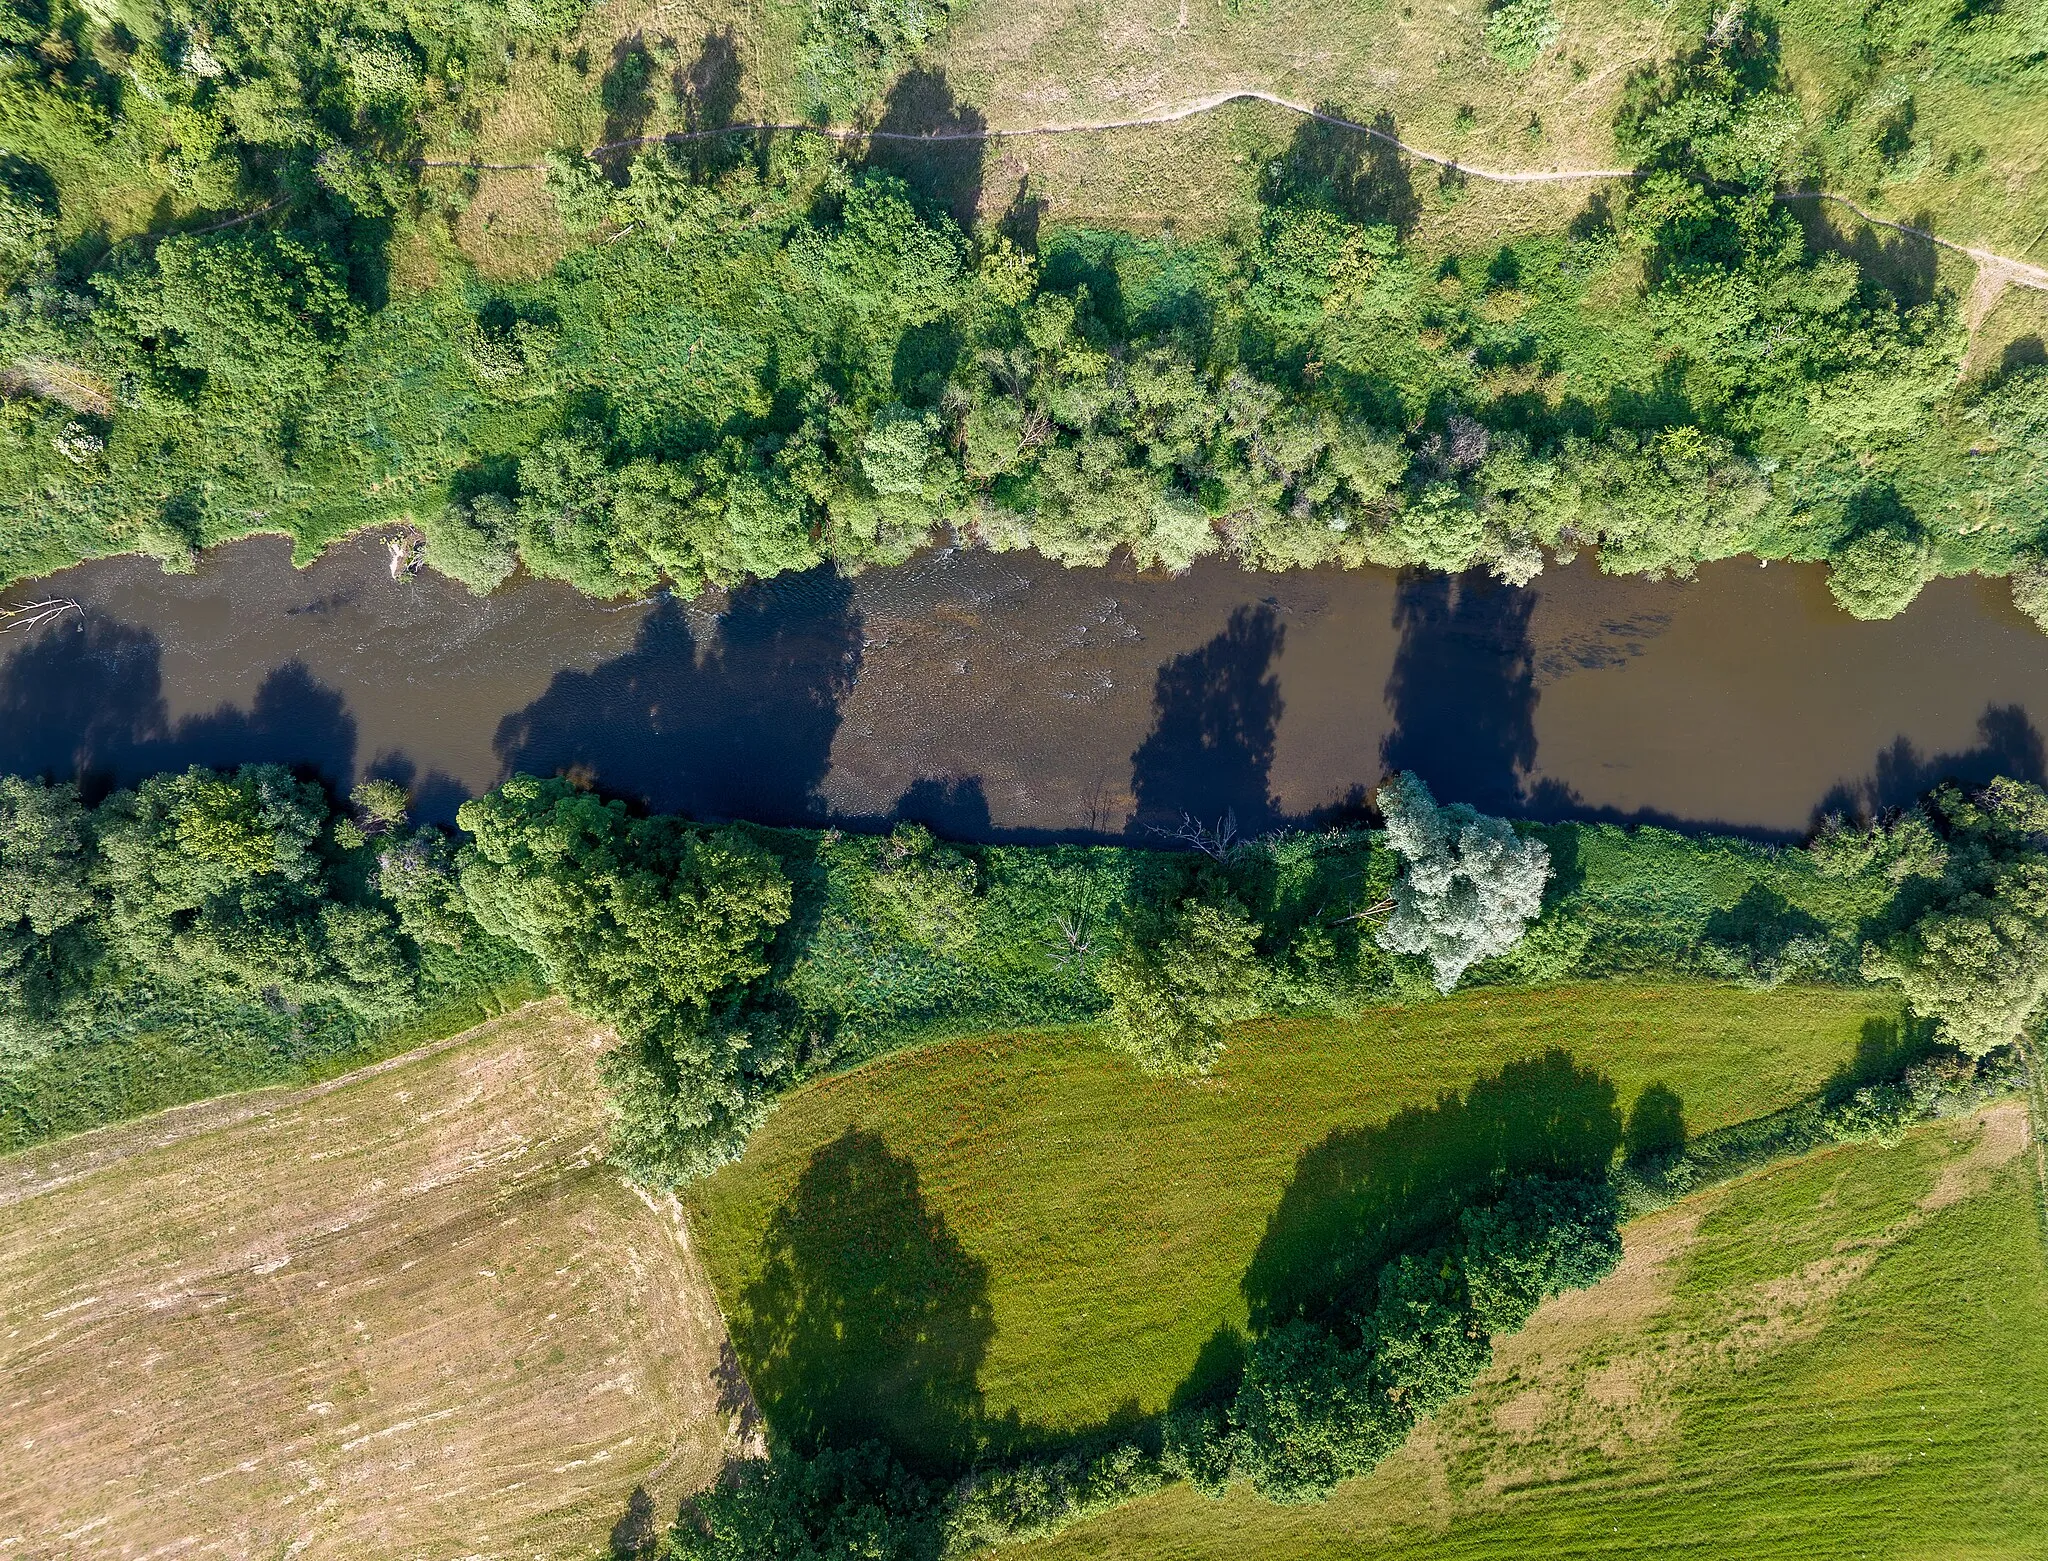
(2018, 272)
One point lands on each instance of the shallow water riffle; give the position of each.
(1002, 695)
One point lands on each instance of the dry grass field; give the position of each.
(406, 1313)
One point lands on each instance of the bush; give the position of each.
(1877, 574)
(928, 890)
(1518, 31)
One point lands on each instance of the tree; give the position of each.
(657, 928)
(48, 940)
(226, 879)
(1181, 976)
(1471, 886)
(837, 1505)
(1976, 957)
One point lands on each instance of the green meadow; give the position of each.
(1843, 1356)
(1027, 1225)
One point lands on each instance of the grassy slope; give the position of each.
(404, 1313)
(1844, 1356)
(1115, 1214)
(1980, 179)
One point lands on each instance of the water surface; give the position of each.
(1005, 696)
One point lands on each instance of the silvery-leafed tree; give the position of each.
(1472, 884)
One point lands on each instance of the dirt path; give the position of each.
(2019, 273)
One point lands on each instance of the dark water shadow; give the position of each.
(739, 728)
(867, 1317)
(945, 174)
(1363, 1194)
(2007, 744)
(1463, 688)
(1216, 715)
(86, 702)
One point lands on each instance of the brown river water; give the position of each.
(1006, 697)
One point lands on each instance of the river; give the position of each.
(1006, 697)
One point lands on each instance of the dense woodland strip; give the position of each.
(770, 355)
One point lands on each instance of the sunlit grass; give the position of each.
(1845, 1356)
(1116, 1214)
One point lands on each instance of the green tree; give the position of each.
(1975, 958)
(838, 1505)
(1471, 884)
(656, 928)
(1181, 976)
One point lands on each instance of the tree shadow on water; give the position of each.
(1363, 1194)
(739, 727)
(867, 1317)
(85, 702)
(2007, 744)
(1216, 714)
(1463, 689)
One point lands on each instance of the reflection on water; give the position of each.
(1005, 696)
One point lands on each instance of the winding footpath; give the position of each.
(2005, 268)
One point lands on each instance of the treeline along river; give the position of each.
(1004, 696)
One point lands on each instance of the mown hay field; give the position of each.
(407, 1313)
(1054, 1236)
(1843, 1356)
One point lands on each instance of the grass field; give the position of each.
(406, 1313)
(1028, 1227)
(1844, 1356)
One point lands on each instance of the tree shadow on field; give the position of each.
(708, 92)
(1216, 717)
(1656, 1123)
(1363, 1194)
(733, 725)
(1462, 693)
(867, 1316)
(84, 701)
(627, 93)
(1363, 176)
(1887, 1047)
(2007, 744)
(944, 172)
(634, 1535)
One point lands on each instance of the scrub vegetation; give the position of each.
(766, 353)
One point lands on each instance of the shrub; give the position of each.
(582, 197)
(928, 890)
(1518, 31)
(1877, 574)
